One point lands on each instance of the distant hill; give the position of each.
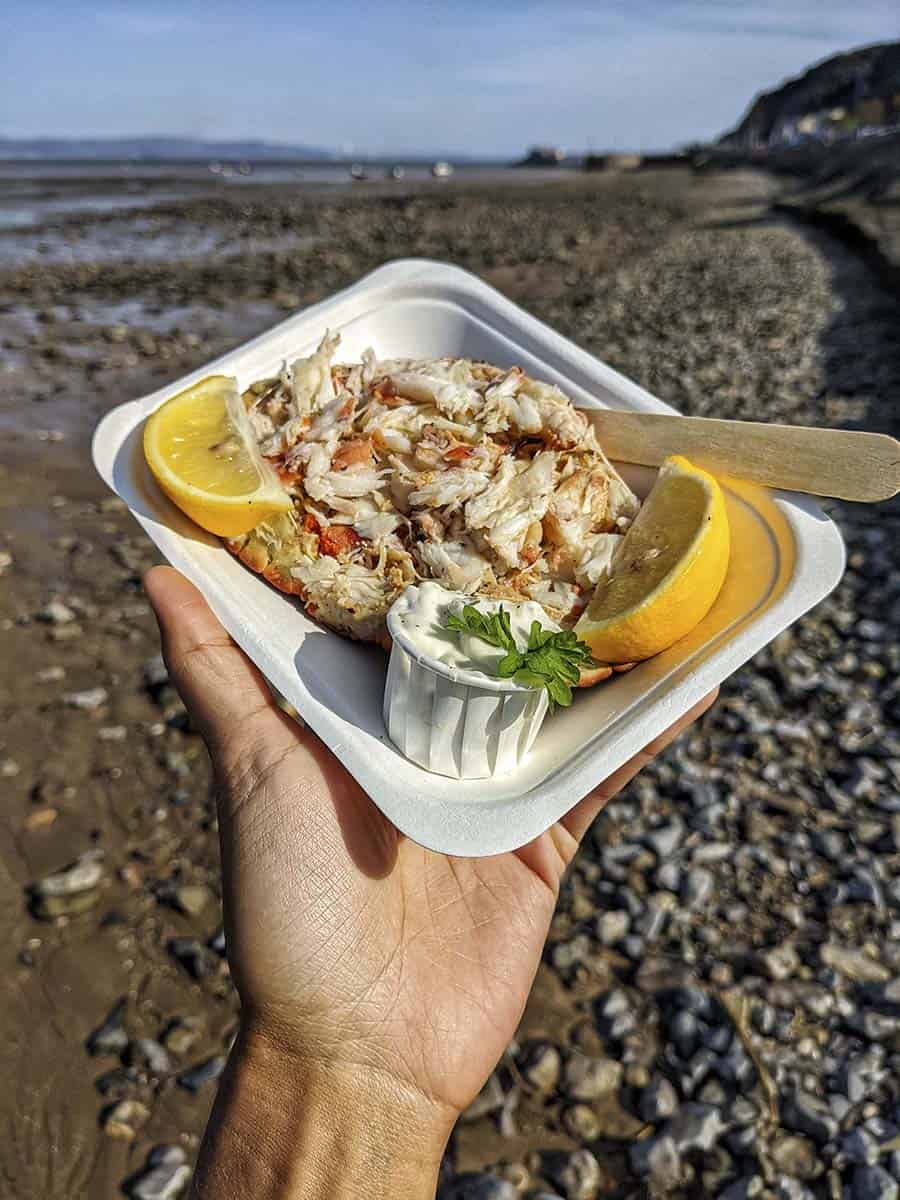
(159, 147)
(836, 97)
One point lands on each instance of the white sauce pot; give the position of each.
(450, 720)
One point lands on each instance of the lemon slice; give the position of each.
(202, 452)
(667, 572)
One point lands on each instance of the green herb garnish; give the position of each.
(550, 660)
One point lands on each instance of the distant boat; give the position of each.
(396, 172)
(441, 170)
(358, 172)
(245, 169)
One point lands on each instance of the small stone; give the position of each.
(657, 1101)
(804, 1114)
(781, 962)
(112, 733)
(853, 963)
(190, 899)
(40, 818)
(147, 1054)
(216, 942)
(109, 1037)
(118, 1083)
(576, 1174)
(744, 1111)
(195, 1078)
(693, 1000)
(877, 1027)
(582, 1123)
(490, 1099)
(636, 1075)
(168, 1155)
(612, 926)
(587, 1078)
(634, 947)
(540, 1065)
(56, 613)
(51, 675)
(864, 888)
(787, 1188)
(695, 1127)
(613, 1004)
(477, 1186)
(658, 1160)
(162, 1182)
(684, 1032)
(669, 876)
(49, 908)
(742, 1142)
(570, 953)
(196, 958)
(132, 875)
(858, 1146)
(182, 1034)
(873, 1183)
(88, 700)
(85, 873)
(665, 839)
(124, 1119)
(713, 1093)
(70, 891)
(155, 672)
(744, 1188)
(793, 1155)
(698, 887)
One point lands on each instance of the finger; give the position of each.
(224, 692)
(578, 821)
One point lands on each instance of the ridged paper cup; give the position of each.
(451, 721)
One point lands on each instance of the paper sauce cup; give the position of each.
(451, 721)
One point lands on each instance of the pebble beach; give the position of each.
(718, 1009)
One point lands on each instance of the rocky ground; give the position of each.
(718, 1011)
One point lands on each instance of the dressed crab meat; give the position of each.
(480, 478)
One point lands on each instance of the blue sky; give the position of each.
(482, 76)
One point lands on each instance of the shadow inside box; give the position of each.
(347, 678)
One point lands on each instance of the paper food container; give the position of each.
(786, 556)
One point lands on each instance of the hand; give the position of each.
(379, 982)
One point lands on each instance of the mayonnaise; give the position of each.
(421, 615)
(445, 707)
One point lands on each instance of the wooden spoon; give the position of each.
(824, 462)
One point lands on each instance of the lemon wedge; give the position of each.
(202, 452)
(667, 572)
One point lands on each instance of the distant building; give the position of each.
(543, 156)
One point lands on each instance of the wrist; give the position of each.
(286, 1127)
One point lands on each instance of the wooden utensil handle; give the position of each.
(843, 463)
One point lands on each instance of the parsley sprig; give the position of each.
(550, 660)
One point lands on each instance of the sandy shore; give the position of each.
(718, 1003)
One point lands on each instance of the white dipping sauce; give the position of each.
(424, 620)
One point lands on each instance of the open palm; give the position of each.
(350, 945)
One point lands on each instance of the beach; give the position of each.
(718, 1009)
